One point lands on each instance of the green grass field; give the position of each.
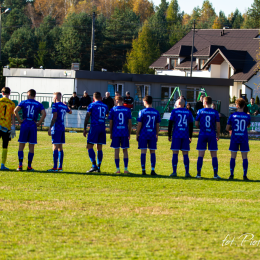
(74, 215)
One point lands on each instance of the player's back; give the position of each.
(239, 122)
(31, 109)
(98, 110)
(207, 118)
(7, 107)
(181, 118)
(120, 116)
(149, 117)
(61, 110)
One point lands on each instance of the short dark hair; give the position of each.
(57, 94)
(97, 95)
(148, 99)
(252, 98)
(6, 90)
(75, 92)
(240, 102)
(32, 92)
(208, 100)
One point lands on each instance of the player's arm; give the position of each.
(190, 130)
(16, 113)
(139, 126)
(228, 127)
(43, 115)
(197, 124)
(111, 127)
(170, 130)
(86, 123)
(218, 129)
(157, 130)
(129, 128)
(70, 111)
(53, 121)
(12, 132)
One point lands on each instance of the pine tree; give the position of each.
(253, 16)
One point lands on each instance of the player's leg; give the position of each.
(55, 158)
(117, 160)
(245, 165)
(92, 157)
(143, 160)
(60, 156)
(30, 157)
(20, 156)
(153, 161)
(186, 162)
(99, 156)
(6, 139)
(200, 163)
(215, 164)
(175, 154)
(201, 147)
(232, 164)
(125, 151)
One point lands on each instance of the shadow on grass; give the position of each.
(134, 175)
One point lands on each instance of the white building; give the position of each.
(225, 53)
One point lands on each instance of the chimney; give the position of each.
(221, 33)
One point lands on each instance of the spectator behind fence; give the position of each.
(177, 101)
(84, 101)
(252, 107)
(74, 101)
(215, 108)
(108, 100)
(199, 104)
(188, 106)
(128, 100)
(117, 94)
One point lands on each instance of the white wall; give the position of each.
(214, 71)
(254, 83)
(247, 91)
(41, 85)
(195, 73)
(224, 70)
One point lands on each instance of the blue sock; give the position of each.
(126, 163)
(92, 157)
(245, 166)
(61, 155)
(186, 162)
(232, 166)
(55, 158)
(215, 165)
(20, 158)
(99, 157)
(117, 163)
(199, 164)
(153, 161)
(143, 160)
(30, 159)
(174, 162)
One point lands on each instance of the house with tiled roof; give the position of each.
(219, 53)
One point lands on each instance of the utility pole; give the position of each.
(192, 49)
(92, 43)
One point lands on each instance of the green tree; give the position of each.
(144, 52)
(17, 63)
(235, 20)
(253, 16)
(207, 16)
(173, 14)
(40, 59)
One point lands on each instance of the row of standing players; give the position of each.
(179, 132)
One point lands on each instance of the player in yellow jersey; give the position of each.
(7, 122)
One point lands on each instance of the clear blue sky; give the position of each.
(227, 6)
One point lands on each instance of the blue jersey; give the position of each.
(181, 118)
(239, 121)
(61, 110)
(98, 112)
(207, 118)
(120, 116)
(149, 117)
(31, 109)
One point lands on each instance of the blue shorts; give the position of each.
(96, 135)
(147, 143)
(118, 142)
(182, 144)
(58, 137)
(234, 147)
(28, 133)
(205, 140)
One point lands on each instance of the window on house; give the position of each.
(174, 63)
(192, 94)
(230, 72)
(112, 88)
(141, 91)
(202, 63)
(166, 92)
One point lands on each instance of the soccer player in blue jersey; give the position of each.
(181, 121)
(239, 121)
(97, 133)
(57, 130)
(120, 130)
(28, 132)
(207, 120)
(147, 132)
